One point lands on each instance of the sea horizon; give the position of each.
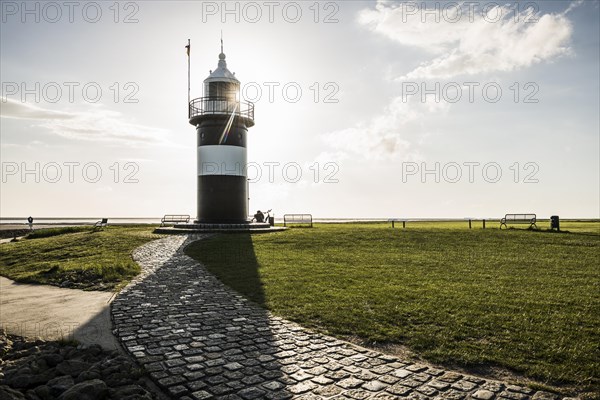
(157, 220)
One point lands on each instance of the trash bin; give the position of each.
(555, 222)
(272, 221)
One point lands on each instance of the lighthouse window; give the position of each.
(228, 90)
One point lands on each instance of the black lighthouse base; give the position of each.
(222, 199)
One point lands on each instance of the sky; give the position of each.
(375, 109)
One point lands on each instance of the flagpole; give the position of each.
(188, 54)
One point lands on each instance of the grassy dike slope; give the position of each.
(82, 258)
(527, 301)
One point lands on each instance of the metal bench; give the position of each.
(394, 220)
(518, 219)
(174, 219)
(101, 224)
(298, 219)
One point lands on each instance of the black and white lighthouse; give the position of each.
(222, 120)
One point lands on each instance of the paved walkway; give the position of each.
(201, 340)
(53, 313)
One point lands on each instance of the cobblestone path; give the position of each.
(199, 339)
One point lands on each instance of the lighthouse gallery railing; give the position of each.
(220, 105)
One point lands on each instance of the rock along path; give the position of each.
(199, 339)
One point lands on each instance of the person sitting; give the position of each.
(259, 216)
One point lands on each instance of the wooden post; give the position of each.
(392, 223)
(403, 224)
(469, 224)
(484, 224)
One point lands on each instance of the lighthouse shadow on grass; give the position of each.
(236, 253)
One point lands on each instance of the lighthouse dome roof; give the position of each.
(222, 74)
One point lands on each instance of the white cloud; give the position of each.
(473, 43)
(15, 109)
(395, 132)
(457, 44)
(573, 5)
(98, 124)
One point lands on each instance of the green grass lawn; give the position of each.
(88, 259)
(526, 301)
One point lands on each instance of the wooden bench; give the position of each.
(101, 224)
(298, 219)
(518, 219)
(174, 219)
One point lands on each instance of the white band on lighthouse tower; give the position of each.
(222, 160)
